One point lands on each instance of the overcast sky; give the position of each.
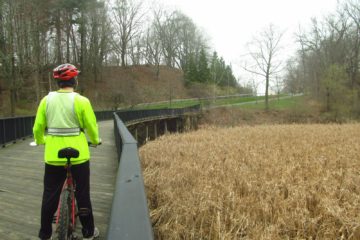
(230, 24)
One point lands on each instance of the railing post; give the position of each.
(177, 125)
(146, 133)
(165, 126)
(155, 129)
(3, 131)
(15, 128)
(24, 128)
(136, 133)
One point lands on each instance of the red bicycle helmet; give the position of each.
(65, 72)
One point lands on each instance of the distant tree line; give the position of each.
(214, 72)
(327, 63)
(37, 35)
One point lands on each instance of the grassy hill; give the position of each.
(121, 87)
(117, 87)
(296, 109)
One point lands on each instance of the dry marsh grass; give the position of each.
(261, 182)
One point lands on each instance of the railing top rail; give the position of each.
(133, 114)
(129, 214)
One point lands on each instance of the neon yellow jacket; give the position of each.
(53, 144)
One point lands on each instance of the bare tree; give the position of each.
(39, 28)
(166, 30)
(264, 51)
(294, 75)
(153, 50)
(189, 39)
(136, 51)
(98, 42)
(127, 25)
(14, 47)
(352, 9)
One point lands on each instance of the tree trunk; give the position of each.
(58, 38)
(12, 84)
(82, 31)
(328, 100)
(267, 93)
(75, 50)
(12, 102)
(68, 26)
(157, 71)
(123, 54)
(37, 52)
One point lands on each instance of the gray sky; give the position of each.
(230, 24)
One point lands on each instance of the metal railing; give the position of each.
(16, 128)
(131, 115)
(199, 99)
(129, 213)
(12, 129)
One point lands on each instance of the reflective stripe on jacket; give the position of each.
(86, 120)
(60, 114)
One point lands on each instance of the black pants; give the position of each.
(53, 181)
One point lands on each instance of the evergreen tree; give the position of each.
(204, 71)
(220, 72)
(229, 77)
(191, 71)
(213, 67)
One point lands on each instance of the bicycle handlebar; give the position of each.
(93, 145)
(34, 144)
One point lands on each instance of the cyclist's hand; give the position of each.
(94, 145)
(34, 143)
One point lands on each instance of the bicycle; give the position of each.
(67, 211)
(66, 214)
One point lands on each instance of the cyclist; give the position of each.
(66, 115)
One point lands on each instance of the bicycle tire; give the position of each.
(64, 216)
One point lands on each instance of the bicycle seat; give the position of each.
(68, 153)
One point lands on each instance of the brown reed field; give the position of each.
(255, 182)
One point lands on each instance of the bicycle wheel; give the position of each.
(64, 216)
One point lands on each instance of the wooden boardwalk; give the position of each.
(21, 184)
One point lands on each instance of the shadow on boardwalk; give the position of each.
(21, 176)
